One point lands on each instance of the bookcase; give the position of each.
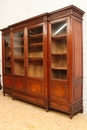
(43, 60)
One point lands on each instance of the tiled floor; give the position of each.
(18, 115)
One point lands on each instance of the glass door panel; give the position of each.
(19, 53)
(59, 50)
(7, 55)
(35, 52)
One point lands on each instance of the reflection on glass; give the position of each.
(19, 53)
(7, 55)
(63, 26)
(35, 52)
(59, 50)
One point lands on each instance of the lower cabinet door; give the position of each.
(35, 87)
(58, 91)
(19, 84)
(36, 92)
(7, 81)
(58, 96)
(7, 84)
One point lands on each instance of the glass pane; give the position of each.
(35, 52)
(19, 53)
(59, 50)
(7, 55)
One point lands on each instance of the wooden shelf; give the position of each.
(36, 35)
(63, 36)
(59, 68)
(60, 53)
(19, 39)
(35, 58)
(35, 44)
(19, 58)
(19, 46)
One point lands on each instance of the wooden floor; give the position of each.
(18, 115)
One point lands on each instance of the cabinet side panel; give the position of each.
(77, 94)
(77, 37)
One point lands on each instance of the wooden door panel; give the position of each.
(8, 81)
(58, 91)
(35, 87)
(19, 84)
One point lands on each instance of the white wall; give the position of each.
(13, 11)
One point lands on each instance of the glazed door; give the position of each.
(7, 67)
(18, 50)
(58, 62)
(18, 61)
(59, 50)
(35, 52)
(36, 62)
(7, 63)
